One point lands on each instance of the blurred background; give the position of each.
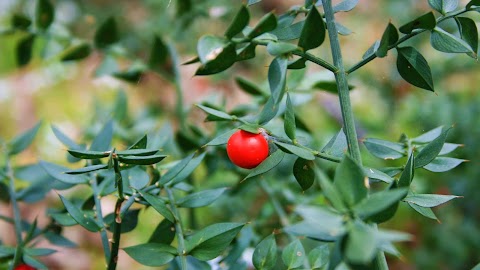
(79, 96)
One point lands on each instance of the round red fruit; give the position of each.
(24, 267)
(246, 149)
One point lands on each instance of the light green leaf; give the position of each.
(201, 198)
(469, 33)
(159, 205)
(22, 141)
(429, 200)
(424, 211)
(446, 42)
(360, 248)
(319, 256)
(443, 164)
(280, 48)
(103, 139)
(58, 173)
(265, 254)
(429, 135)
(269, 163)
(152, 254)
(277, 74)
(443, 6)
(384, 149)
(293, 255)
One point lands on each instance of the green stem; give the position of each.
(99, 214)
(178, 87)
(117, 225)
(17, 220)
(403, 39)
(342, 83)
(178, 229)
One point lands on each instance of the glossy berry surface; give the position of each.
(24, 267)
(247, 150)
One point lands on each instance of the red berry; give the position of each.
(246, 149)
(24, 267)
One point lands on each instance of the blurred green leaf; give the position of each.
(22, 141)
(222, 138)
(216, 113)
(76, 52)
(44, 14)
(304, 173)
(58, 240)
(24, 49)
(106, 34)
(39, 251)
(295, 150)
(164, 233)
(445, 42)
(350, 181)
(374, 174)
(141, 160)
(469, 33)
(201, 198)
(269, 163)
(58, 172)
(331, 192)
(240, 21)
(378, 202)
(389, 38)
(448, 148)
(159, 205)
(4, 193)
(443, 164)
(137, 152)
(86, 222)
(293, 255)
(413, 68)
(188, 170)
(160, 58)
(250, 87)
(103, 139)
(289, 119)
(277, 75)
(443, 6)
(424, 211)
(329, 86)
(314, 29)
(342, 30)
(428, 136)
(152, 254)
(140, 144)
(265, 254)
(429, 200)
(211, 241)
(345, 5)
(426, 21)
(266, 24)
(251, 2)
(87, 169)
(384, 149)
(431, 150)
(280, 48)
(360, 249)
(31, 261)
(64, 139)
(20, 21)
(319, 256)
(132, 75)
(472, 3)
(319, 224)
(175, 170)
(408, 172)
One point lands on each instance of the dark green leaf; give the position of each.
(408, 172)
(473, 3)
(289, 119)
(424, 211)
(140, 144)
(137, 152)
(250, 87)
(86, 222)
(24, 49)
(269, 163)
(247, 52)
(313, 32)
(413, 68)
(280, 48)
(188, 170)
(160, 58)
(350, 181)
(141, 160)
(268, 112)
(296, 150)
(293, 255)
(132, 75)
(103, 139)
(374, 174)
(76, 52)
(469, 33)
(378, 202)
(345, 5)
(20, 21)
(445, 42)
(389, 38)
(22, 141)
(106, 34)
(239, 22)
(265, 254)
(159, 206)
(212, 240)
(58, 172)
(201, 198)
(329, 86)
(429, 200)
(216, 113)
(429, 135)
(152, 254)
(164, 233)
(44, 14)
(431, 150)
(384, 149)
(360, 248)
(266, 24)
(129, 221)
(277, 75)
(443, 6)
(85, 154)
(426, 21)
(443, 164)
(175, 170)
(318, 257)
(87, 169)
(289, 32)
(4, 193)
(304, 173)
(216, 54)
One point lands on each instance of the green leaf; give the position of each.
(137, 178)
(360, 249)
(408, 172)
(374, 174)
(22, 141)
(330, 191)
(448, 148)
(389, 38)
(289, 32)
(428, 136)
(20, 21)
(39, 251)
(57, 172)
(188, 170)
(164, 233)
(413, 68)
(175, 170)
(159, 205)
(378, 202)
(431, 150)
(268, 112)
(469, 33)
(85, 154)
(44, 14)
(87, 169)
(137, 152)
(277, 75)
(84, 221)
(443, 164)
(141, 160)
(443, 6)
(222, 138)
(345, 6)
(251, 2)
(216, 54)
(269, 163)
(212, 240)
(429, 200)
(371, 50)
(76, 52)
(304, 173)
(4, 193)
(106, 34)
(103, 139)
(64, 139)
(151, 254)
(424, 211)
(329, 86)
(445, 42)
(31, 261)
(160, 59)
(472, 3)
(24, 49)
(265, 254)
(289, 121)
(280, 48)
(337, 145)
(313, 32)
(250, 87)
(384, 149)
(350, 181)
(295, 150)
(239, 22)
(140, 144)
(342, 30)
(247, 52)
(319, 256)
(216, 113)
(293, 255)
(201, 198)
(266, 24)
(426, 21)
(132, 75)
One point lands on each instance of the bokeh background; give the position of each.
(77, 97)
